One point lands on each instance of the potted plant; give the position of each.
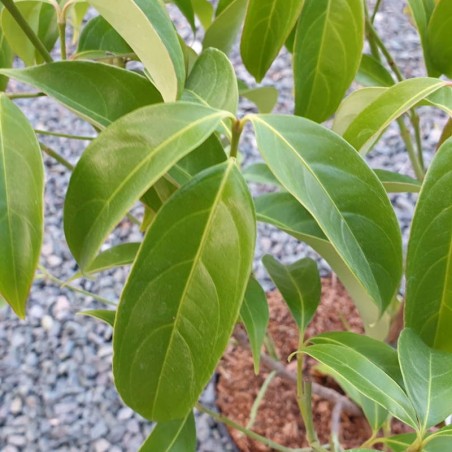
(169, 138)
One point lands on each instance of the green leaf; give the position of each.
(21, 205)
(43, 21)
(222, 5)
(422, 11)
(6, 59)
(106, 315)
(268, 22)
(204, 11)
(439, 441)
(213, 80)
(98, 34)
(223, 31)
(441, 99)
(260, 173)
(172, 436)
(96, 92)
(123, 163)
(353, 105)
(286, 213)
(327, 53)
(439, 38)
(366, 377)
(76, 14)
(397, 183)
(367, 126)
(183, 297)
(342, 193)
(265, 97)
(428, 308)
(186, 8)
(372, 73)
(255, 316)
(427, 374)
(400, 443)
(153, 39)
(299, 284)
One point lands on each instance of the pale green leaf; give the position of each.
(427, 374)
(213, 79)
(441, 99)
(148, 30)
(368, 125)
(172, 436)
(439, 38)
(255, 316)
(327, 53)
(260, 173)
(21, 205)
(123, 163)
(269, 23)
(183, 297)
(372, 73)
(342, 193)
(428, 308)
(76, 14)
(299, 284)
(97, 92)
(264, 97)
(397, 183)
(204, 12)
(106, 315)
(223, 31)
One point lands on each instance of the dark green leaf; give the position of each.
(106, 315)
(428, 308)
(148, 30)
(223, 31)
(123, 163)
(21, 205)
(97, 92)
(172, 436)
(427, 374)
(116, 256)
(213, 80)
(401, 443)
(327, 53)
(397, 183)
(299, 284)
(439, 38)
(342, 193)
(372, 73)
(6, 59)
(183, 297)
(186, 9)
(98, 34)
(267, 22)
(254, 315)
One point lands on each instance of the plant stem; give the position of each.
(13, 96)
(62, 34)
(237, 128)
(63, 135)
(60, 159)
(406, 137)
(377, 8)
(23, 24)
(247, 432)
(61, 283)
(258, 401)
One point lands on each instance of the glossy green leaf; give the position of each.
(327, 53)
(269, 23)
(183, 297)
(428, 308)
(397, 183)
(366, 377)
(123, 163)
(42, 19)
(223, 31)
(6, 60)
(372, 73)
(367, 126)
(265, 97)
(98, 34)
(439, 441)
(422, 11)
(342, 193)
(156, 197)
(254, 315)
(299, 284)
(427, 374)
(106, 315)
(222, 5)
(213, 79)
(186, 8)
(286, 213)
(153, 39)
(172, 436)
(400, 443)
(439, 37)
(260, 173)
(97, 92)
(21, 205)
(441, 99)
(204, 12)
(353, 105)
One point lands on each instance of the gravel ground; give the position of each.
(56, 387)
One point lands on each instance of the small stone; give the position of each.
(61, 307)
(99, 430)
(102, 445)
(54, 261)
(133, 426)
(17, 440)
(47, 323)
(16, 406)
(10, 448)
(124, 414)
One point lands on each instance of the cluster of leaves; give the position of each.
(169, 138)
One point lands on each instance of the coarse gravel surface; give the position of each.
(56, 386)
